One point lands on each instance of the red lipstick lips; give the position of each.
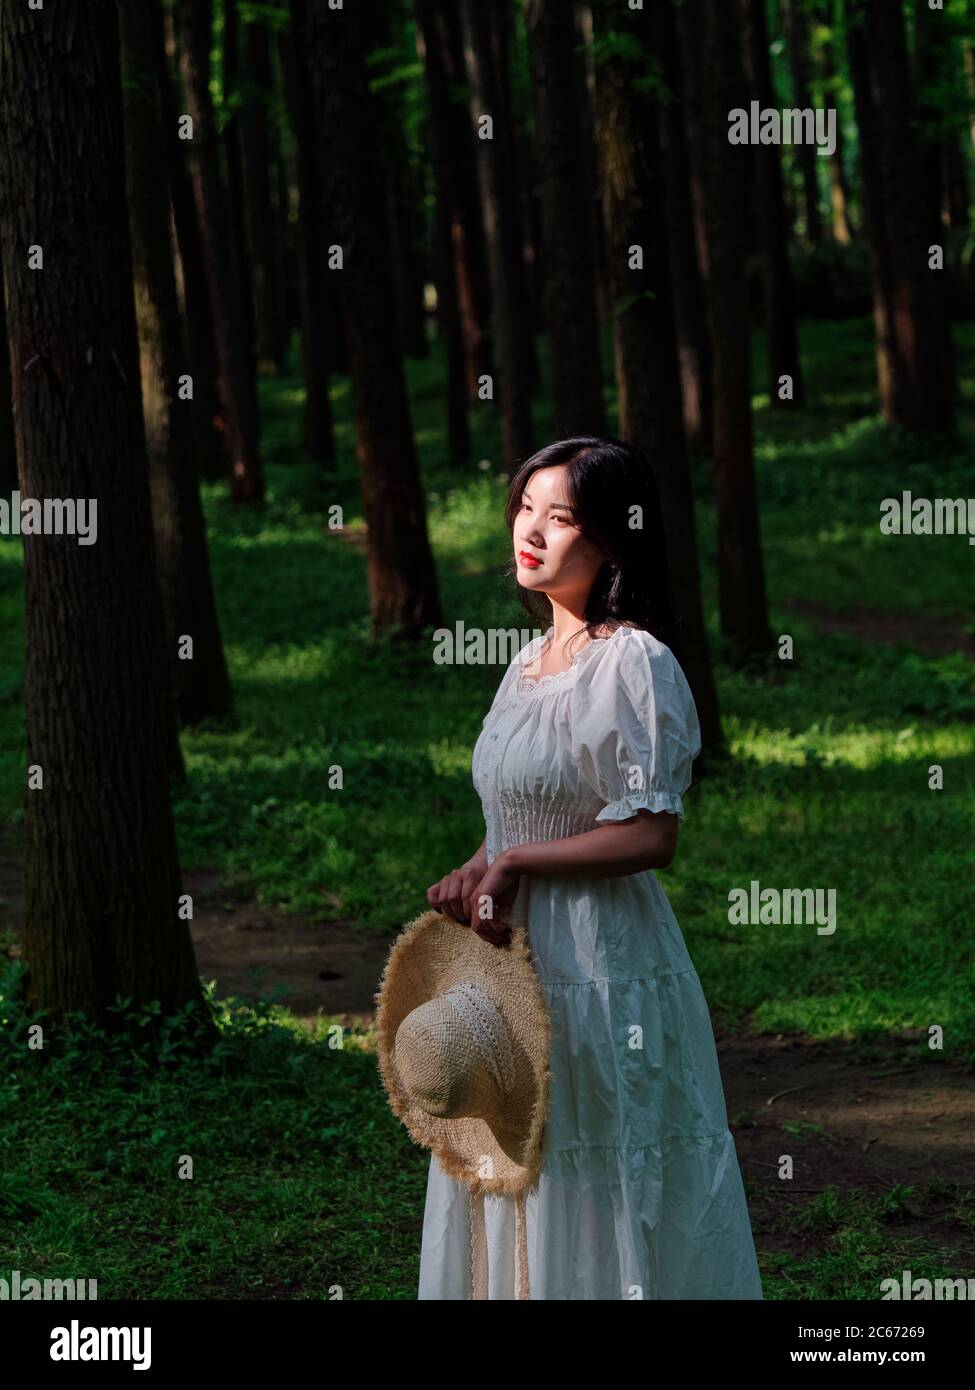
(529, 561)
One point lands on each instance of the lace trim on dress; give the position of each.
(527, 685)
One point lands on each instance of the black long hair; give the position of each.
(613, 493)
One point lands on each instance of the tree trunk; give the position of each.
(431, 16)
(230, 321)
(408, 276)
(236, 203)
(8, 452)
(402, 579)
(689, 18)
(644, 336)
(568, 261)
(102, 875)
(209, 417)
(872, 202)
(201, 685)
(452, 143)
(918, 374)
(741, 578)
(518, 154)
(584, 78)
(829, 81)
(806, 156)
(285, 238)
(320, 315)
(693, 333)
(510, 314)
(259, 164)
(781, 329)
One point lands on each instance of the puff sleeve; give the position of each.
(635, 729)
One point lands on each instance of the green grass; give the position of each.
(827, 787)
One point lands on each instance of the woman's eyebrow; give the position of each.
(562, 506)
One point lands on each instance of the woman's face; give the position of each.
(552, 554)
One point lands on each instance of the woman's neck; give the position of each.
(566, 622)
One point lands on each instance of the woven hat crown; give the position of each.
(454, 1053)
(462, 1043)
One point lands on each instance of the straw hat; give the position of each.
(463, 1038)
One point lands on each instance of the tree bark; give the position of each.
(806, 156)
(221, 262)
(917, 378)
(741, 576)
(568, 260)
(8, 451)
(452, 141)
(584, 69)
(510, 313)
(320, 311)
(781, 329)
(432, 17)
(402, 579)
(690, 312)
(102, 874)
(872, 202)
(408, 272)
(236, 203)
(209, 417)
(644, 335)
(201, 685)
(826, 68)
(257, 144)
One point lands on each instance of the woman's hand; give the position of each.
(499, 884)
(452, 893)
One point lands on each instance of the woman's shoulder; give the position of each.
(637, 668)
(633, 649)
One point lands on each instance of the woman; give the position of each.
(581, 767)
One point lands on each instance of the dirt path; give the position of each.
(930, 634)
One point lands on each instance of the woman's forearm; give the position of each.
(609, 851)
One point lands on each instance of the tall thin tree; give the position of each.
(830, 85)
(429, 18)
(403, 587)
(679, 175)
(645, 340)
(209, 417)
(781, 327)
(233, 161)
(918, 379)
(568, 263)
(200, 680)
(8, 452)
(494, 153)
(797, 37)
(258, 140)
(455, 176)
(220, 257)
(319, 308)
(741, 575)
(102, 876)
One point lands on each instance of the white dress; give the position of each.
(640, 1193)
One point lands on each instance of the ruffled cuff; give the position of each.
(628, 806)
